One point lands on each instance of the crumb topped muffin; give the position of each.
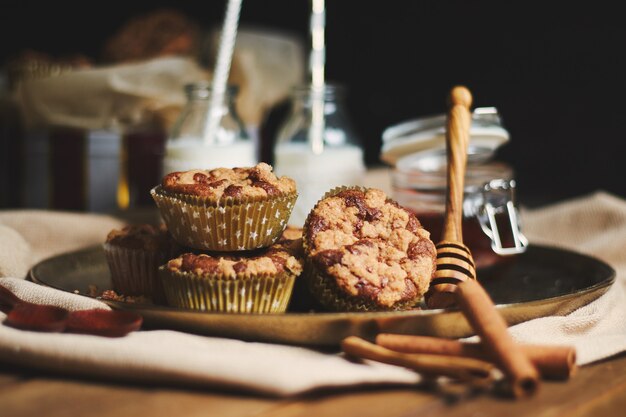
(236, 183)
(225, 210)
(140, 236)
(367, 252)
(134, 254)
(259, 281)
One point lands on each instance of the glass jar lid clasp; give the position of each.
(498, 198)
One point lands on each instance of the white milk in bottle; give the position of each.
(186, 148)
(339, 162)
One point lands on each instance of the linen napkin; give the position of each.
(156, 356)
(594, 224)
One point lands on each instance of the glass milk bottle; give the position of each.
(186, 147)
(317, 169)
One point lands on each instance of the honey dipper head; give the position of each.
(454, 265)
(460, 95)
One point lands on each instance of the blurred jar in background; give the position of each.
(490, 225)
(143, 147)
(94, 170)
(11, 138)
(94, 137)
(186, 148)
(340, 161)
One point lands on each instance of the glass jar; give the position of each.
(186, 147)
(490, 226)
(317, 169)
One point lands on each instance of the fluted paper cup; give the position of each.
(135, 271)
(225, 226)
(215, 293)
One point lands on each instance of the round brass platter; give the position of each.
(541, 282)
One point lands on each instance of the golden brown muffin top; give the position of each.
(284, 256)
(140, 236)
(238, 183)
(374, 248)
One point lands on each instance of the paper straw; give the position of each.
(316, 67)
(222, 69)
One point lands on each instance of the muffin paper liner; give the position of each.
(135, 271)
(324, 287)
(227, 225)
(214, 293)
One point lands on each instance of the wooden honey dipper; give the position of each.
(454, 259)
(455, 281)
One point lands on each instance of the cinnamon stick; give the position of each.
(552, 362)
(480, 312)
(464, 369)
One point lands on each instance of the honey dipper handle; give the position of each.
(457, 139)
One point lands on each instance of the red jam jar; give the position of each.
(491, 227)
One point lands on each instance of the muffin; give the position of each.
(225, 209)
(134, 255)
(366, 253)
(260, 281)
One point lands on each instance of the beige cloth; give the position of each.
(594, 224)
(266, 65)
(29, 236)
(108, 97)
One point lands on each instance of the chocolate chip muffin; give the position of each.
(366, 253)
(134, 254)
(260, 281)
(226, 209)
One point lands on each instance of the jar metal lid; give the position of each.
(425, 137)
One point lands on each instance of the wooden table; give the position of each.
(597, 390)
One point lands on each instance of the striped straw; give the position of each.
(222, 69)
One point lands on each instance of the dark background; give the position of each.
(555, 70)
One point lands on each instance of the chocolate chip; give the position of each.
(279, 262)
(239, 267)
(372, 214)
(356, 198)
(201, 178)
(171, 179)
(328, 257)
(410, 290)
(367, 290)
(316, 225)
(206, 264)
(366, 242)
(413, 224)
(357, 247)
(353, 198)
(215, 184)
(269, 188)
(254, 174)
(233, 191)
(422, 247)
(188, 262)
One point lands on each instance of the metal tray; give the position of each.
(541, 282)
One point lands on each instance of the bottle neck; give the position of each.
(306, 96)
(201, 93)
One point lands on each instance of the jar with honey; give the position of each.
(491, 227)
